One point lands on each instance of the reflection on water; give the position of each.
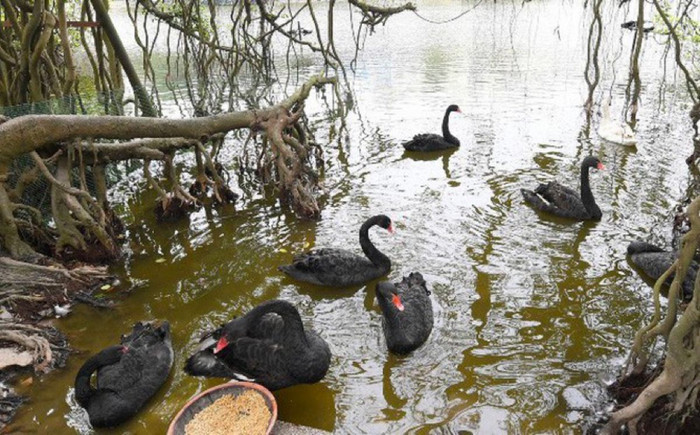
(532, 314)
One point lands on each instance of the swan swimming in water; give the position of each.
(565, 202)
(613, 130)
(335, 267)
(407, 313)
(435, 142)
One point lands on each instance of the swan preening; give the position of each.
(613, 130)
(435, 142)
(127, 375)
(565, 202)
(335, 267)
(269, 346)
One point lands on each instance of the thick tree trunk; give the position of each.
(145, 102)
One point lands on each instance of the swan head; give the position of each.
(384, 222)
(453, 108)
(388, 292)
(593, 162)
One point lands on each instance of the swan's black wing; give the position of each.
(556, 199)
(146, 364)
(332, 267)
(428, 142)
(270, 326)
(558, 195)
(261, 360)
(653, 264)
(122, 375)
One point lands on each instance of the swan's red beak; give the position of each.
(125, 349)
(222, 343)
(396, 300)
(601, 166)
(391, 229)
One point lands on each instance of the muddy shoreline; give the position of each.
(30, 345)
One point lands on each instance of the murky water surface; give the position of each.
(532, 315)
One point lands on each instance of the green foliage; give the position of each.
(685, 27)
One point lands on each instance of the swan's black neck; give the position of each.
(446, 129)
(587, 195)
(290, 315)
(376, 257)
(83, 389)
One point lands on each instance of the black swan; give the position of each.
(435, 142)
(127, 375)
(340, 268)
(654, 261)
(268, 345)
(408, 313)
(564, 202)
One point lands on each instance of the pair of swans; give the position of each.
(270, 346)
(407, 313)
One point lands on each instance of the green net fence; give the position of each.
(25, 182)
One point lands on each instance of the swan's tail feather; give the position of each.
(414, 279)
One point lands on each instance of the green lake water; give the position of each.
(533, 315)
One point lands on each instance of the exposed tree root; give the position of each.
(46, 344)
(681, 371)
(27, 290)
(172, 208)
(48, 349)
(82, 227)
